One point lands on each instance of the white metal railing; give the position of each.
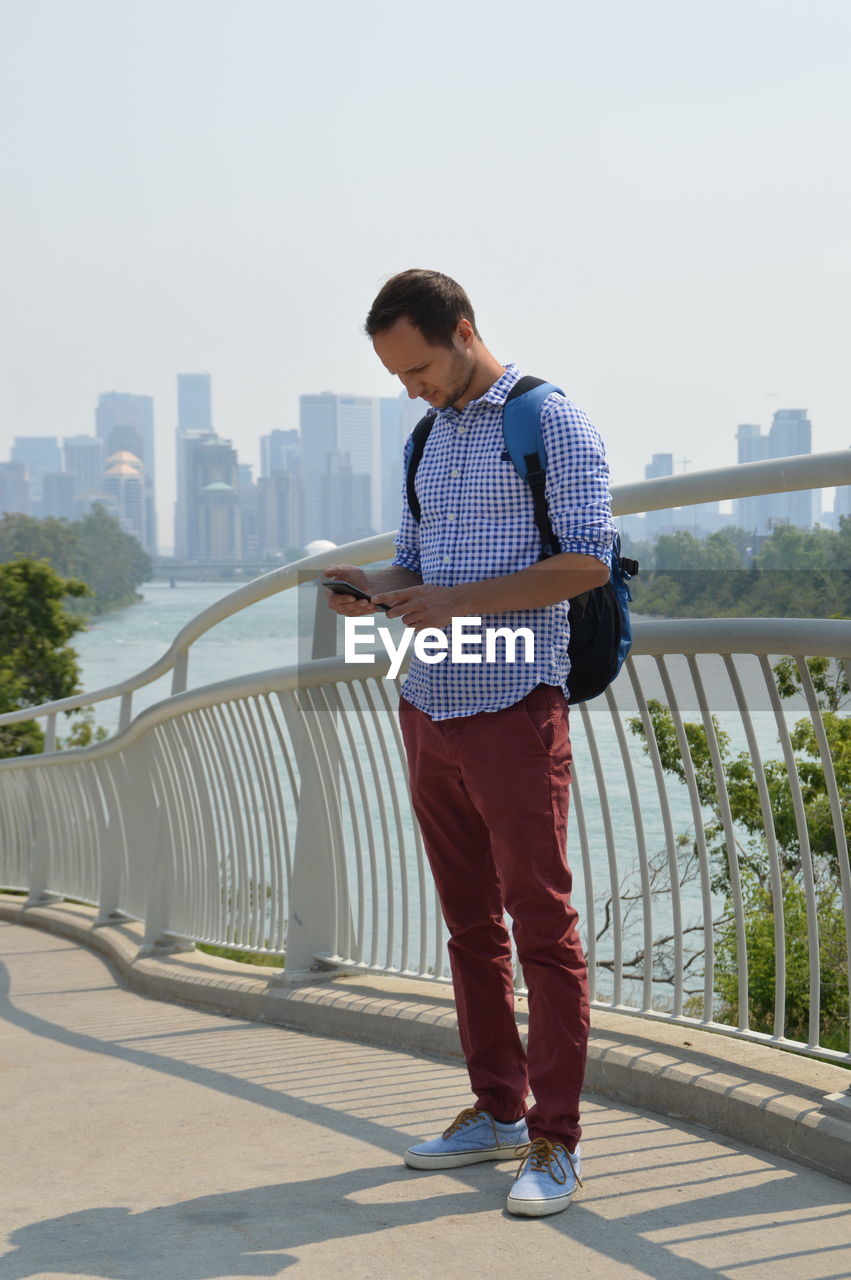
(779, 475)
(271, 813)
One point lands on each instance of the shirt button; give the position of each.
(446, 559)
(451, 515)
(455, 473)
(461, 430)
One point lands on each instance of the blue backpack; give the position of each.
(600, 626)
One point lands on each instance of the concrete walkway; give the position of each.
(143, 1140)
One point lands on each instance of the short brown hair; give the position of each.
(433, 302)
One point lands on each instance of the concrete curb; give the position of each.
(784, 1103)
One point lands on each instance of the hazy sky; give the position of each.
(649, 202)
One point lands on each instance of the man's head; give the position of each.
(423, 329)
(432, 302)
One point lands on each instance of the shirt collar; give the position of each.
(497, 393)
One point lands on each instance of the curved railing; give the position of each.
(808, 471)
(271, 813)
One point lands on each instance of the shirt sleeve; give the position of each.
(407, 539)
(578, 496)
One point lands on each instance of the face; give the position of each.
(440, 375)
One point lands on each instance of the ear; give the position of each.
(465, 332)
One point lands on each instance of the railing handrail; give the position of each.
(815, 637)
(778, 475)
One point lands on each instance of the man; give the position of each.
(487, 744)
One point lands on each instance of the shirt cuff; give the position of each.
(579, 548)
(407, 560)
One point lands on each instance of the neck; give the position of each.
(486, 371)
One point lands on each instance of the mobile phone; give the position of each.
(341, 588)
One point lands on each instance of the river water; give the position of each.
(265, 636)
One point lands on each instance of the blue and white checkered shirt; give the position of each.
(477, 522)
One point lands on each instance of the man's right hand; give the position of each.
(349, 606)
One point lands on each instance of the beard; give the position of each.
(460, 377)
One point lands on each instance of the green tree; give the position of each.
(759, 937)
(36, 662)
(95, 549)
(113, 562)
(832, 692)
(56, 541)
(794, 573)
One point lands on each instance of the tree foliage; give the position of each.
(37, 663)
(95, 550)
(751, 852)
(794, 573)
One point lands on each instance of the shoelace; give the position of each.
(542, 1157)
(463, 1118)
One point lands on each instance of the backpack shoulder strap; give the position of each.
(419, 435)
(521, 428)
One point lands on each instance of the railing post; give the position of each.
(39, 872)
(324, 627)
(126, 712)
(319, 896)
(152, 841)
(180, 673)
(50, 734)
(111, 850)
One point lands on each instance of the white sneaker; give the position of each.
(471, 1137)
(546, 1180)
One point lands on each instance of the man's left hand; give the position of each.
(425, 606)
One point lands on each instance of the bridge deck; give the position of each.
(146, 1140)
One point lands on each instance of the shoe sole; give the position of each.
(538, 1208)
(418, 1160)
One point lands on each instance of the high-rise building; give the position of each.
(318, 436)
(84, 458)
(38, 454)
(790, 434)
(124, 423)
(352, 446)
(124, 485)
(58, 495)
(751, 446)
(213, 516)
(279, 513)
(14, 489)
(194, 402)
(359, 436)
(279, 451)
(662, 521)
(194, 423)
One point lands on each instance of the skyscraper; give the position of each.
(318, 435)
(125, 424)
(84, 458)
(194, 422)
(38, 455)
(279, 451)
(213, 518)
(791, 433)
(656, 522)
(194, 402)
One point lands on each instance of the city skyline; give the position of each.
(338, 475)
(652, 213)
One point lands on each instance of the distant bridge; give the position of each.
(195, 570)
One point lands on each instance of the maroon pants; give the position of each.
(491, 795)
